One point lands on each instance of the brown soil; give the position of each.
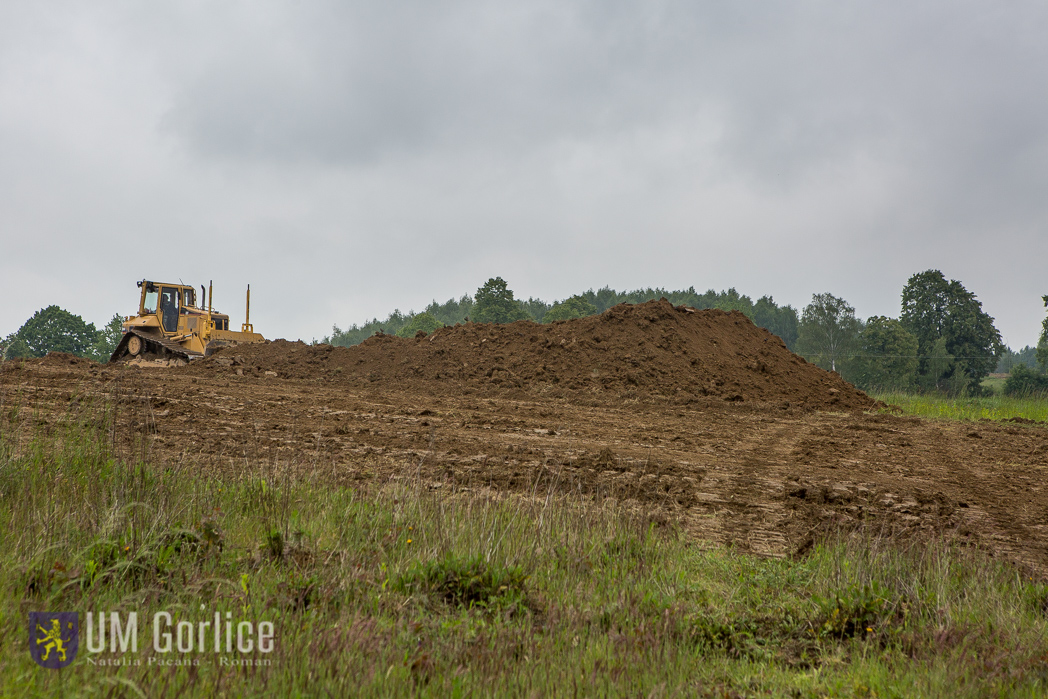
(649, 351)
(698, 418)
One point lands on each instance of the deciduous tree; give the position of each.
(933, 309)
(494, 303)
(108, 338)
(828, 331)
(52, 329)
(888, 357)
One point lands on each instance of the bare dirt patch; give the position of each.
(695, 417)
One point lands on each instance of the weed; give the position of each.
(856, 611)
(274, 544)
(465, 581)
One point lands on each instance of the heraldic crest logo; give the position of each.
(54, 638)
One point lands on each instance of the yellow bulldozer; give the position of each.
(171, 326)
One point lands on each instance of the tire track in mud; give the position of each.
(1012, 518)
(744, 505)
(759, 477)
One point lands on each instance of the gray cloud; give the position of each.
(349, 158)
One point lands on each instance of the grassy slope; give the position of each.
(398, 589)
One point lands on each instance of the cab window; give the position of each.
(188, 298)
(149, 303)
(168, 299)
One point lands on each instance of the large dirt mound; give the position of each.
(651, 349)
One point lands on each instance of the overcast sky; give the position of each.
(349, 158)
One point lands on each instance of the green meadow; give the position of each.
(995, 407)
(401, 589)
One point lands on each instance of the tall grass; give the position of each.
(996, 407)
(412, 588)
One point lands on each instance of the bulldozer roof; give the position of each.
(148, 284)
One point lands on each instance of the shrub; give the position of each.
(465, 582)
(1024, 381)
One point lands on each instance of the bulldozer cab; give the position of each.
(173, 300)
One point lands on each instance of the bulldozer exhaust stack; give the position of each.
(247, 327)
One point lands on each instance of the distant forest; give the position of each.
(781, 320)
(942, 340)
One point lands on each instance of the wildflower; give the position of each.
(409, 541)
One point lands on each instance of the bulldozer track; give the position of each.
(152, 343)
(170, 346)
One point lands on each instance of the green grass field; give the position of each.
(399, 589)
(995, 383)
(997, 407)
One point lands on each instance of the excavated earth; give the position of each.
(696, 418)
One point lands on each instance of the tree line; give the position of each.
(494, 302)
(941, 341)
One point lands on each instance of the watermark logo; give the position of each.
(113, 640)
(54, 638)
